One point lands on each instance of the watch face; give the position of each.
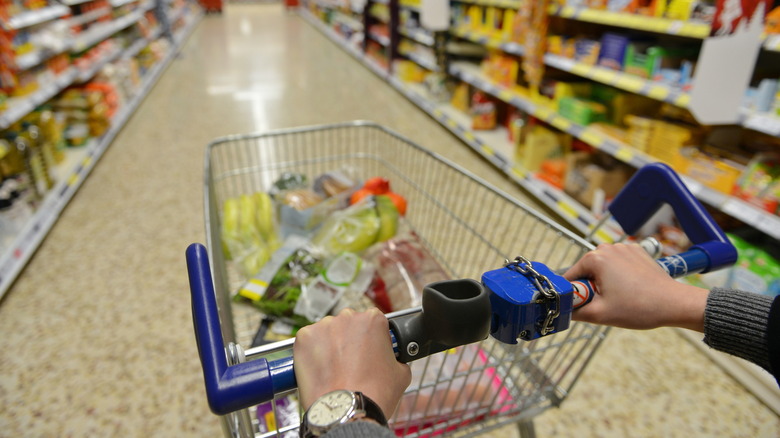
(331, 408)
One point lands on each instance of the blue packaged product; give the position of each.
(613, 50)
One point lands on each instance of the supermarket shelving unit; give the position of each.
(494, 148)
(80, 161)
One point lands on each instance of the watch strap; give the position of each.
(372, 410)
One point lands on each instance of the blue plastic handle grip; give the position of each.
(228, 388)
(657, 184)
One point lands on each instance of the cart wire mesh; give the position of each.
(470, 228)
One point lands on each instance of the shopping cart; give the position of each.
(472, 229)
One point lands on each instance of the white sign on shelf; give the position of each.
(725, 67)
(435, 15)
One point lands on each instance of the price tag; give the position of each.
(696, 30)
(603, 236)
(505, 95)
(630, 83)
(581, 69)
(625, 154)
(683, 100)
(592, 138)
(518, 173)
(561, 123)
(604, 75)
(567, 209)
(674, 27)
(487, 150)
(543, 113)
(658, 92)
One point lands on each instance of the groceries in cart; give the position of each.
(312, 246)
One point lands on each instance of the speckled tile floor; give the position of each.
(96, 333)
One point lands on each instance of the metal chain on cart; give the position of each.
(549, 296)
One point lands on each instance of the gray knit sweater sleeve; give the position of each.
(736, 322)
(360, 429)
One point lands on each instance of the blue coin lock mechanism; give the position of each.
(527, 301)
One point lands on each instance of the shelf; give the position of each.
(381, 39)
(118, 3)
(82, 160)
(100, 32)
(508, 4)
(494, 146)
(380, 17)
(87, 74)
(348, 21)
(689, 29)
(765, 123)
(30, 60)
(352, 49)
(137, 46)
(751, 215)
(488, 41)
(21, 106)
(88, 17)
(36, 16)
(488, 145)
(762, 122)
(74, 2)
(423, 61)
(633, 21)
(177, 14)
(628, 82)
(419, 35)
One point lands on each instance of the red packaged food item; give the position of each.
(405, 266)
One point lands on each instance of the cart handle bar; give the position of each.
(657, 184)
(453, 313)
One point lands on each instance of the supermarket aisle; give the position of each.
(96, 333)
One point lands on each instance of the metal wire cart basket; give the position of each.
(466, 225)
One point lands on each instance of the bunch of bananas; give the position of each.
(249, 231)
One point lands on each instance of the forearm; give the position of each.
(736, 322)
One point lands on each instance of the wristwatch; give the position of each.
(336, 408)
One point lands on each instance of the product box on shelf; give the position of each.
(612, 52)
(679, 9)
(501, 69)
(587, 51)
(461, 97)
(756, 270)
(409, 71)
(483, 111)
(538, 143)
(759, 184)
(772, 21)
(714, 172)
(582, 111)
(594, 179)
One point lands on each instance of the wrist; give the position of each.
(688, 306)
